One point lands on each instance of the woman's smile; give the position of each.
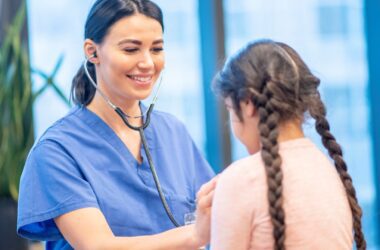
(142, 80)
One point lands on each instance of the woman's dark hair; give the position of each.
(103, 14)
(280, 85)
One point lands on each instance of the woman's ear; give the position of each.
(247, 108)
(90, 51)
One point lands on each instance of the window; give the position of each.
(333, 20)
(55, 28)
(181, 92)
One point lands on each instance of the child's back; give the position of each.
(317, 212)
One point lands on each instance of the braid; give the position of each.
(282, 88)
(268, 127)
(318, 112)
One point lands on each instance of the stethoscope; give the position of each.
(140, 129)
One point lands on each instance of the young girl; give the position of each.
(287, 193)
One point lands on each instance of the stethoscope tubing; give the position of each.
(140, 129)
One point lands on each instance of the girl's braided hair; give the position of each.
(282, 88)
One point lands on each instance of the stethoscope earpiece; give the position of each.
(91, 56)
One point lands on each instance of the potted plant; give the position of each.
(17, 130)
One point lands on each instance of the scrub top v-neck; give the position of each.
(80, 162)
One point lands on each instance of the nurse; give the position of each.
(87, 182)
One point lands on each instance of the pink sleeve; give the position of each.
(231, 213)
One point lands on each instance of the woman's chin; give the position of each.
(143, 96)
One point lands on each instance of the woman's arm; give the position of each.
(87, 228)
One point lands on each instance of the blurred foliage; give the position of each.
(16, 104)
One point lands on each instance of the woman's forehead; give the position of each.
(136, 27)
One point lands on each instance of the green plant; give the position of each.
(16, 104)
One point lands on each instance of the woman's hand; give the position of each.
(203, 214)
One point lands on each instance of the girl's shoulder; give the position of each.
(245, 171)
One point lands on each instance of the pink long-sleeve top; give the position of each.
(317, 212)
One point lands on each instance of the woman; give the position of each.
(87, 183)
(286, 194)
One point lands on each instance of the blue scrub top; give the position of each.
(80, 162)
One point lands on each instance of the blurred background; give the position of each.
(338, 39)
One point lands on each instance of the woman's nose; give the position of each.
(146, 61)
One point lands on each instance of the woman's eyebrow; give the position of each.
(138, 42)
(134, 41)
(158, 41)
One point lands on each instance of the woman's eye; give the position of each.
(157, 50)
(130, 50)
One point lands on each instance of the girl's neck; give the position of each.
(290, 131)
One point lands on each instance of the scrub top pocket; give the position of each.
(180, 206)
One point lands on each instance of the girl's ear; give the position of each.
(89, 48)
(247, 108)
